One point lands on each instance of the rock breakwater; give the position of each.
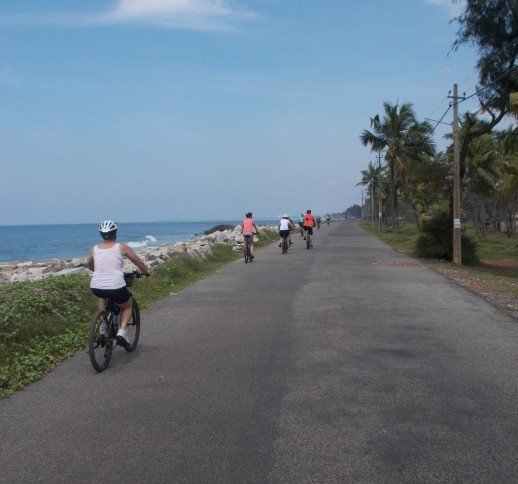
(200, 247)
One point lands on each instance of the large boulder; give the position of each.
(55, 266)
(8, 267)
(74, 270)
(78, 262)
(218, 228)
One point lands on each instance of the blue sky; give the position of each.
(143, 110)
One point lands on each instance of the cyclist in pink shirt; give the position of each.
(249, 229)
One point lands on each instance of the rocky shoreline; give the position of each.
(201, 247)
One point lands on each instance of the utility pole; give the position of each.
(372, 201)
(362, 206)
(457, 249)
(379, 193)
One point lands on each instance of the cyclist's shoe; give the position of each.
(280, 245)
(251, 257)
(103, 329)
(122, 337)
(291, 243)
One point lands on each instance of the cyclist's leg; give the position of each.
(102, 303)
(125, 312)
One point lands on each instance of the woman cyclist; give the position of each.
(285, 227)
(249, 229)
(106, 261)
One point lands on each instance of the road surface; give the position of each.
(348, 362)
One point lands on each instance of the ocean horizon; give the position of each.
(39, 242)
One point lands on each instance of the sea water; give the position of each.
(43, 242)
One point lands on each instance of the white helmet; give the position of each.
(285, 216)
(107, 226)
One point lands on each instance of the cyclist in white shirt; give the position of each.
(285, 226)
(106, 261)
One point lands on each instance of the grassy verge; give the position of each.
(44, 322)
(495, 278)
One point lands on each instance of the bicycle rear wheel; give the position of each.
(246, 252)
(133, 327)
(284, 245)
(308, 241)
(100, 346)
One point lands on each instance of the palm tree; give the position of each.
(403, 138)
(371, 177)
(481, 175)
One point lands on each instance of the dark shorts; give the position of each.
(118, 296)
(309, 230)
(284, 233)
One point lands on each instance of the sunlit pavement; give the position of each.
(347, 362)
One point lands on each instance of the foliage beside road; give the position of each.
(44, 322)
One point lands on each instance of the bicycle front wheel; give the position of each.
(133, 327)
(100, 346)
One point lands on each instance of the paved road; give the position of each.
(349, 362)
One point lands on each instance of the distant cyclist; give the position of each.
(249, 229)
(285, 226)
(291, 230)
(106, 261)
(300, 221)
(328, 219)
(309, 223)
(319, 221)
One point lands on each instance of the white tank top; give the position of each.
(108, 268)
(284, 224)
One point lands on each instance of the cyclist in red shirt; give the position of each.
(308, 223)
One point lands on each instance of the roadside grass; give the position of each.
(496, 283)
(44, 322)
(495, 245)
(404, 239)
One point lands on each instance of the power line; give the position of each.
(439, 105)
(440, 120)
(476, 93)
(504, 47)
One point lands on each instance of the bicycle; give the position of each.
(246, 249)
(285, 244)
(100, 345)
(308, 240)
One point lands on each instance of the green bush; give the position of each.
(436, 240)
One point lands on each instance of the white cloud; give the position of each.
(185, 14)
(453, 8)
(196, 14)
